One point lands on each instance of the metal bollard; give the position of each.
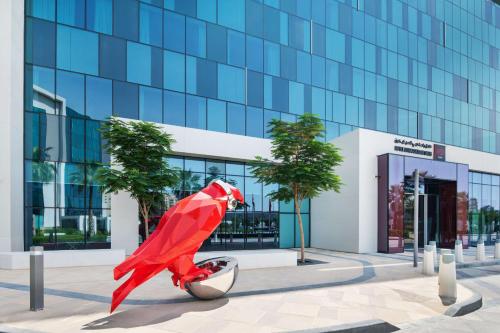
(459, 252)
(497, 248)
(434, 251)
(428, 266)
(448, 279)
(36, 278)
(480, 254)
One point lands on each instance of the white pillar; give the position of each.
(434, 252)
(447, 277)
(11, 125)
(459, 253)
(480, 254)
(124, 222)
(428, 265)
(497, 248)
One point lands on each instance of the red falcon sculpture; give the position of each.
(179, 235)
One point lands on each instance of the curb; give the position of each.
(473, 303)
(492, 262)
(368, 326)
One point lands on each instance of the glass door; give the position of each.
(428, 219)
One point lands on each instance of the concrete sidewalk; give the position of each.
(344, 288)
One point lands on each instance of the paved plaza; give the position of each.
(343, 288)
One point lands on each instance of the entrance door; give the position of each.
(428, 219)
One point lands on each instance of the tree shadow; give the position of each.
(151, 315)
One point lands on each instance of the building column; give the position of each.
(11, 125)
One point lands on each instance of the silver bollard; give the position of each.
(497, 248)
(428, 265)
(447, 279)
(36, 278)
(459, 252)
(434, 250)
(480, 254)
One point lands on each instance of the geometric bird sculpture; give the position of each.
(180, 233)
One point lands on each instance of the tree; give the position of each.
(302, 165)
(140, 150)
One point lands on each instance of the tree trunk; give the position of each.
(146, 222)
(301, 228)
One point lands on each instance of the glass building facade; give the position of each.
(426, 69)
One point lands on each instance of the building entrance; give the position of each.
(436, 213)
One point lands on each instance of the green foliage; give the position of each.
(302, 165)
(139, 152)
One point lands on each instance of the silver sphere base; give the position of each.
(219, 283)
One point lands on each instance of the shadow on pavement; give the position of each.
(151, 315)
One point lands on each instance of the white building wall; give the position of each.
(11, 124)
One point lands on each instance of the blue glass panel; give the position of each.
(318, 71)
(201, 77)
(236, 118)
(150, 104)
(39, 83)
(255, 125)
(174, 34)
(231, 13)
(125, 100)
(207, 10)
(216, 118)
(44, 9)
(216, 43)
(286, 230)
(300, 33)
(138, 63)
(77, 50)
(40, 42)
(283, 28)
(70, 90)
(296, 97)
(288, 63)
(255, 89)
(268, 116)
(196, 112)
(71, 12)
(98, 98)
(173, 76)
(272, 24)
(174, 108)
(100, 16)
(254, 53)
(271, 58)
(126, 19)
(319, 40)
(150, 28)
(332, 75)
(254, 18)
(231, 83)
(318, 102)
(112, 58)
(196, 37)
(235, 48)
(335, 45)
(338, 102)
(303, 67)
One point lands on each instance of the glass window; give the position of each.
(296, 97)
(98, 98)
(150, 104)
(254, 53)
(332, 75)
(235, 119)
(49, 137)
(318, 102)
(174, 108)
(174, 34)
(319, 40)
(125, 100)
(40, 42)
(216, 43)
(173, 76)
(216, 119)
(125, 19)
(335, 45)
(100, 16)
(39, 89)
(207, 10)
(231, 83)
(255, 122)
(255, 89)
(338, 102)
(300, 33)
(345, 85)
(358, 53)
(318, 71)
(303, 67)
(44, 9)
(268, 116)
(271, 58)
(196, 112)
(71, 12)
(70, 91)
(112, 58)
(195, 37)
(235, 48)
(231, 14)
(288, 63)
(272, 24)
(150, 29)
(77, 50)
(254, 18)
(201, 77)
(138, 63)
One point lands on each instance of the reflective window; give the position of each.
(196, 37)
(40, 89)
(40, 42)
(112, 58)
(271, 58)
(201, 77)
(207, 10)
(126, 19)
(231, 83)
(174, 34)
(255, 122)
(77, 50)
(100, 16)
(98, 96)
(235, 119)
(235, 48)
(173, 76)
(254, 53)
(150, 104)
(196, 112)
(174, 108)
(70, 92)
(150, 25)
(255, 89)
(216, 43)
(216, 115)
(138, 63)
(71, 12)
(44, 9)
(125, 100)
(231, 14)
